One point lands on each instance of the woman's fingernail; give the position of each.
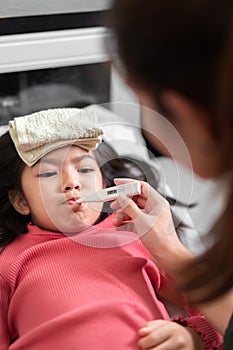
(123, 200)
(146, 329)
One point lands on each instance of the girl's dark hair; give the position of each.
(12, 223)
(179, 46)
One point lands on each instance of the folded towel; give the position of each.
(37, 134)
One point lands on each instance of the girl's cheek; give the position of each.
(89, 183)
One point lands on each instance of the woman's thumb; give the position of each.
(128, 206)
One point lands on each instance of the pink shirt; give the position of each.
(58, 293)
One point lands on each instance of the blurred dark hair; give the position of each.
(12, 223)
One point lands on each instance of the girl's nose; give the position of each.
(70, 183)
(70, 187)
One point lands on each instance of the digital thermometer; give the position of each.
(111, 193)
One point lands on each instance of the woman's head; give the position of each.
(170, 52)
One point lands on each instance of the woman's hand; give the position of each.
(152, 221)
(168, 335)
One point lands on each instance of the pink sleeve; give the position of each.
(212, 339)
(4, 298)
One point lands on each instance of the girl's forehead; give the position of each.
(67, 151)
(68, 154)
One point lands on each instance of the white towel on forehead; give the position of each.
(37, 134)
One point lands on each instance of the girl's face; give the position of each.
(52, 186)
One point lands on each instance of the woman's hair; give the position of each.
(180, 45)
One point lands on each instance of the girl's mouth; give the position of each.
(73, 204)
(72, 200)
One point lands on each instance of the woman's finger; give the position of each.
(149, 199)
(120, 219)
(128, 206)
(154, 334)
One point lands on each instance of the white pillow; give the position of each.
(3, 129)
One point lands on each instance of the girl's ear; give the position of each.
(19, 202)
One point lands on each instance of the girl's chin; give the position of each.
(75, 228)
(68, 227)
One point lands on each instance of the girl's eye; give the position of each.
(85, 170)
(47, 174)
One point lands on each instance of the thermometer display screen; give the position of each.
(111, 192)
